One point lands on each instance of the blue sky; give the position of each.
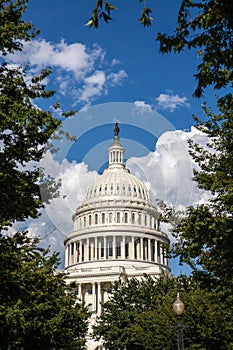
(115, 73)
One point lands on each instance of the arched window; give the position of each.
(134, 191)
(126, 218)
(89, 219)
(96, 219)
(84, 221)
(110, 218)
(118, 217)
(103, 218)
(133, 218)
(140, 219)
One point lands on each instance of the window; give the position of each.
(133, 218)
(110, 218)
(118, 188)
(135, 190)
(118, 217)
(145, 220)
(96, 219)
(89, 219)
(140, 219)
(84, 221)
(103, 218)
(126, 217)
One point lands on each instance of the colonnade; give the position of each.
(115, 247)
(93, 294)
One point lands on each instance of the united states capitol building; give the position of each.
(116, 234)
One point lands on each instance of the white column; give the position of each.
(75, 253)
(66, 256)
(156, 251)
(161, 255)
(114, 247)
(99, 246)
(165, 256)
(149, 249)
(94, 297)
(105, 247)
(123, 247)
(80, 291)
(96, 248)
(133, 248)
(99, 298)
(70, 256)
(81, 255)
(86, 250)
(142, 248)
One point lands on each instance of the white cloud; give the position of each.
(142, 107)
(168, 171)
(171, 102)
(79, 71)
(117, 78)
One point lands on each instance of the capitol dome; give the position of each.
(116, 233)
(116, 180)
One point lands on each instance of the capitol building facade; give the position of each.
(116, 234)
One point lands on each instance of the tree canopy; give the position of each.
(139, 315)
(24, 129)
(37, 308)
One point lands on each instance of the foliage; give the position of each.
(102, 10)
(36, 309)
(205, 233)
(139, 315)
(24, 128)
(206, 26)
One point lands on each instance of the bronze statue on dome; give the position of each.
(116, 129)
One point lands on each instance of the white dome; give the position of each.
(116, 181)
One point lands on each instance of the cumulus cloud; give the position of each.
(141, 107)
(171, 102)
(81, 72)
(168, 171)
